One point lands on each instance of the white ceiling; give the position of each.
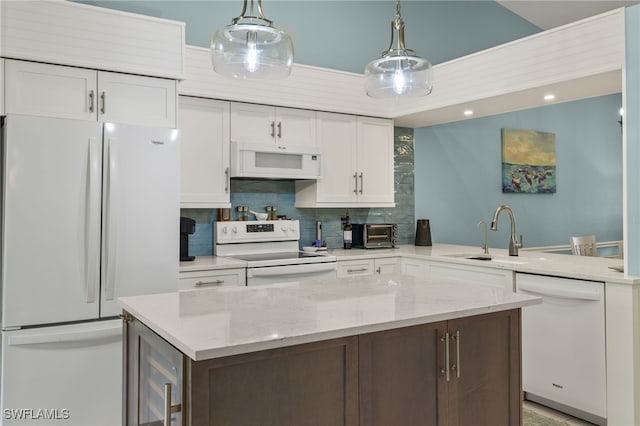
(553, 13)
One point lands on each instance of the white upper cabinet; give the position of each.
(375, 161)
(124, 98)
(357, 161)
(252, 123)
(77, 93)
(204, 126)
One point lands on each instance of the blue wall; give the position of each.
(458, 176)
(346, 35)
(632, 118)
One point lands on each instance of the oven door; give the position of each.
(291, 273)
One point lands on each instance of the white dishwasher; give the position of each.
(563, 345)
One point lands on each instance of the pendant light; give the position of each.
(399, 72)
(251, 48)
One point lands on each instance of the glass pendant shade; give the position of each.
(251, 48)
(399, 72)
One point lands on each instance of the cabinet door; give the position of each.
(337, 139)
(400, 379)
(204, 179)
(50, 90)
(212, 279)
(133, 99)
(375, 160)
(353, 268)
(295, 127)
(386, 265)
(415, 267)
(485, 384)
(314, 384)
(252, 123)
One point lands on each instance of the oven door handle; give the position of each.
(302, 269)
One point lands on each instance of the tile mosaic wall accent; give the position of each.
(260, 193)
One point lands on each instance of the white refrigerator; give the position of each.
(90, 212)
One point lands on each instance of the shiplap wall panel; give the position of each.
(309, 87)
(590, 47)
(75, 34)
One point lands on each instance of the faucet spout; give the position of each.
(514, 244)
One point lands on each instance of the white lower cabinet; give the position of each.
(353, 268)
(493, 277)
(386, 265)
(368, 266)
(195, 280)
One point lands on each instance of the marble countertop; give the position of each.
(213, 323)
(560, 265)
(211, 263)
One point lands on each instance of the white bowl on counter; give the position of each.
(309, 248)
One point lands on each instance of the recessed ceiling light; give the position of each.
(549, 97)
(468, 112)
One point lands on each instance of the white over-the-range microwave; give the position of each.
(251, 160)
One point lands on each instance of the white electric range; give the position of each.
(270, 248)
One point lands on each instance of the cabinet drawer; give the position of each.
(352, 268)
(212, 279)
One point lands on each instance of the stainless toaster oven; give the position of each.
(374, 235)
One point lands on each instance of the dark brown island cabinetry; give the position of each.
(463, 371)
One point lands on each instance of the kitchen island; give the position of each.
(381, 350)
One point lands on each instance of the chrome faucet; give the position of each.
(514, 244)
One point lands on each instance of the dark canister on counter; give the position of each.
(423, 233)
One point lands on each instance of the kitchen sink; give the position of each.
(486, 258)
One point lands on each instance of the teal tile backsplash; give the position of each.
(260, 193)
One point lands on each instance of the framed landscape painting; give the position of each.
(528, 161)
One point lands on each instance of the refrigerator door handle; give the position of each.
(66, 336)
(111, 220)
(91, 233)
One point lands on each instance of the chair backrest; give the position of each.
(584, 245)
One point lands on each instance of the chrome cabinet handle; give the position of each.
(446, 371)
(361, 182)
(227, 180)
(168, 408)
(456, 366)
(356, 270)
(91, 101)
(355, 177)
(379, 270)
(273, 129)
(167, 404)
(103, 97)
(209, 283)
(280, 129)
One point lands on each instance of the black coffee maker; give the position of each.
(187, 227)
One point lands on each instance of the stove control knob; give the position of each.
(292, 228)
(224, 230)
(234, 229)
(283, 228)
